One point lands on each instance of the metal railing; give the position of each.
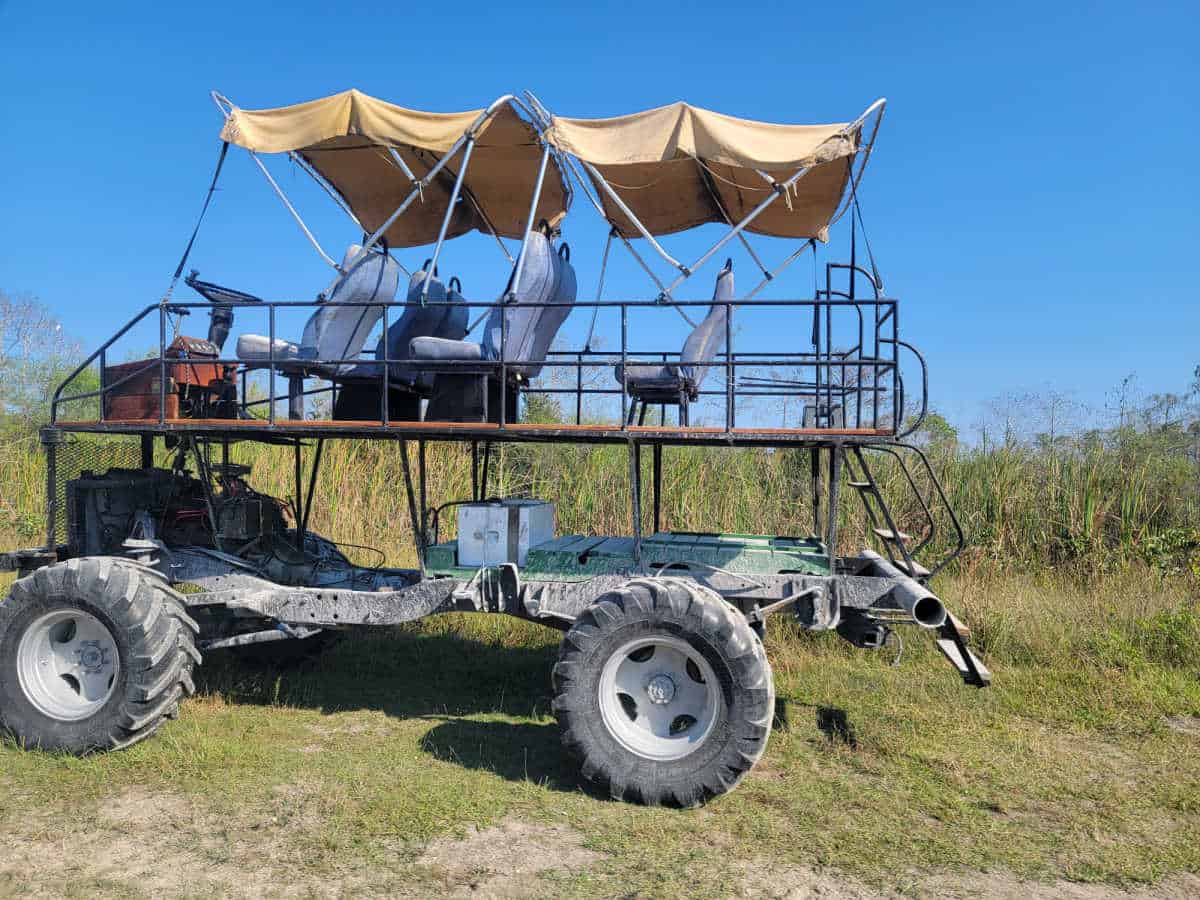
(849, 380)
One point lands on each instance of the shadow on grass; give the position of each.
(401, 673)
(410, 675)
(834, 724)
(517, 751)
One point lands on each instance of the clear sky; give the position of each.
(1032, 201)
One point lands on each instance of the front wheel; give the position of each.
(95, 654)
(664, 692)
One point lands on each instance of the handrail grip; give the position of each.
(82, 367)
(920, 420)
(937, 484)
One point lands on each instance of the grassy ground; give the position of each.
(372, 770)
(424, 761)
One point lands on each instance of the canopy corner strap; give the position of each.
(187, 251)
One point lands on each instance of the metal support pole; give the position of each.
(836, 453)
(483, 380)
(814, 458)
(270, 363)
(779, 190)
(385, 396)
(479, 210)
(775, 273)
(483, 478)
(295, 215)
(421, 482)
(312, 486)
(635, 494)
(829, 358)
(598, 178)
(416, 192)
(624, 365)
(898, 418)
(730, 372)
(533, 205)
(657, 488)
(162, 366)
(474, 470)
(418, 534)
(300, 513)
(441, 239)
(103, 371)
(579, 389)
(52, 438)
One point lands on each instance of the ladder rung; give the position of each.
(861, 485)
(895, 537)
(918, 570)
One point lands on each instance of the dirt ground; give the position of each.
(161, 845)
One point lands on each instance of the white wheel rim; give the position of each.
(67, 664)
(659, 697)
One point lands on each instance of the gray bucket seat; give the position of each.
(336, 331)
(679, 383)
(444, 315)
(526, 329)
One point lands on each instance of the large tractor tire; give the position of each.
(664, 693)
(95, 654)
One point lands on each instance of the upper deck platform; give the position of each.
(257, 429)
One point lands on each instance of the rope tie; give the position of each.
(204, 209)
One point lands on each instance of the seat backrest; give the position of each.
(708, 338)
(434, 319)
(553, 317)
(337, 331)
(547, 276)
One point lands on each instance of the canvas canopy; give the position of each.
(346, 137)
(679, 166)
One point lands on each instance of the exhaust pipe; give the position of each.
(912, 596)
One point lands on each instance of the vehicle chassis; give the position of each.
(860, 597)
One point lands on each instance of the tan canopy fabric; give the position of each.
(679, 166)
(346, 138)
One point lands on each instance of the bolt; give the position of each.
(660, 689)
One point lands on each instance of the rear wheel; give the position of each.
(95, 654)
(664, 692)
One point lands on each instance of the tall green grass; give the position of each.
(1045, 525)
(1083, 507)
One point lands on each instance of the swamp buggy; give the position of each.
(159, 550)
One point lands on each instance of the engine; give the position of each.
(172, 507)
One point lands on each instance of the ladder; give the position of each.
(902, 548)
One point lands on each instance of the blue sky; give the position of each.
(1033, 200)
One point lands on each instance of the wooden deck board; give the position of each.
(286, 425)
